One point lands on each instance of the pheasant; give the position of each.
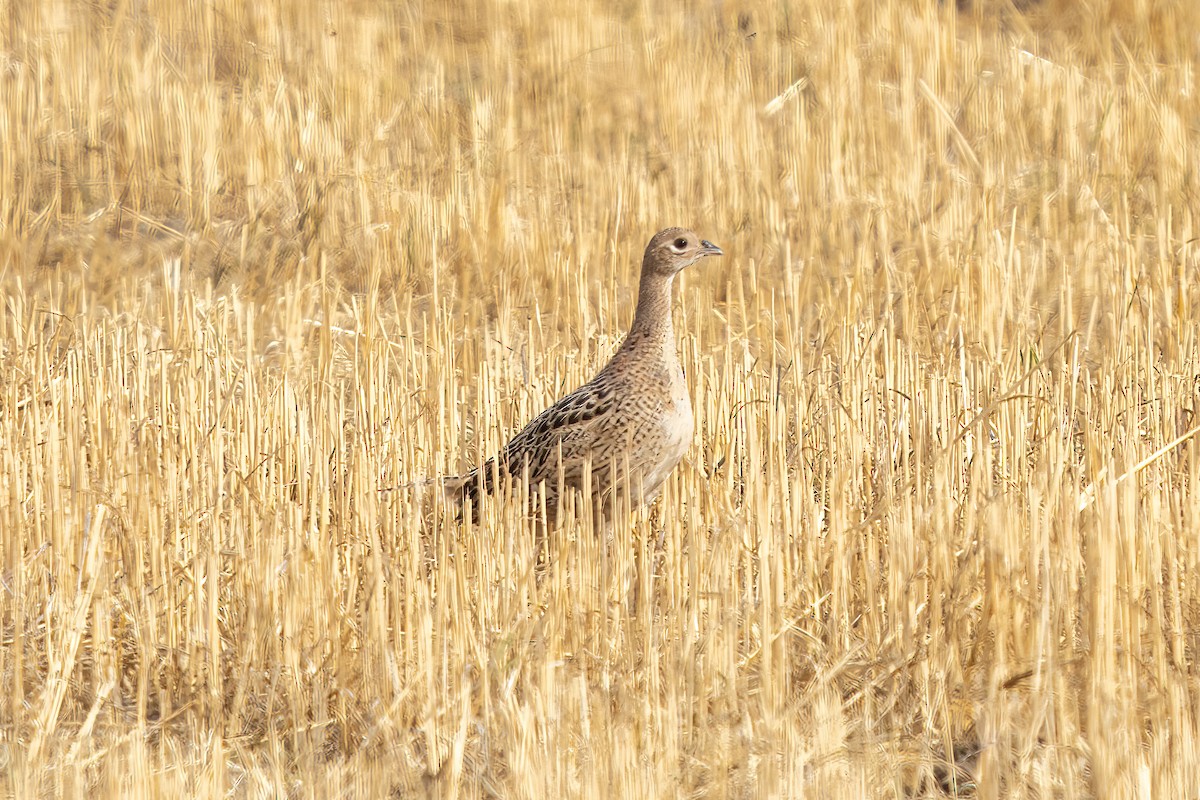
(632, 422)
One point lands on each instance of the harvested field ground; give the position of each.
(266, 267)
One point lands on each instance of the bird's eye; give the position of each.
(680, 243)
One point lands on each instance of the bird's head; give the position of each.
(673, 249)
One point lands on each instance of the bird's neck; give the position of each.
(652, 330)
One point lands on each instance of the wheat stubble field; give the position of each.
(263, 268)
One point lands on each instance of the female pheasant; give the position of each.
(632, 422)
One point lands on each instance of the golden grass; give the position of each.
(264, 265)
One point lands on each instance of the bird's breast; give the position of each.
(679, 422)
(677, 428)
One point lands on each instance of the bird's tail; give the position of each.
(468, 487)
(454, 487)
(458, 490)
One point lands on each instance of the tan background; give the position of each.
(265, 265)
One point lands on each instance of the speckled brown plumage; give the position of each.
(633, 419)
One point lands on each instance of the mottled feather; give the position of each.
(631, 423)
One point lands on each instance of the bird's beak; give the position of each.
(707, 248)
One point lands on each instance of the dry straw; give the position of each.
(264, 266)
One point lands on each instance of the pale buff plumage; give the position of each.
(632, 422)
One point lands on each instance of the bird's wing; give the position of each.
(578, 424)
(583, 425)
